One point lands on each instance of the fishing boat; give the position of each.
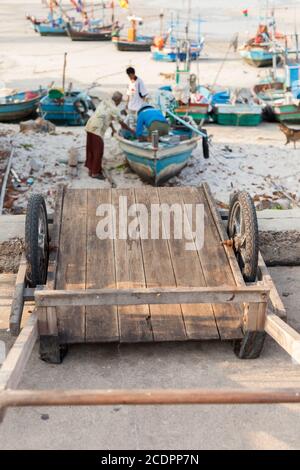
(173, 51)
(19, 106)
(198, 111)
(92, 33)
(142, 44)
(170, 48)
(70, 107)
(238, 114)
(263, 50)
(54, 28)
(190, 100)
(287, 112)
(258, 56)
(158, 164)
(270, 89)
(133, 42)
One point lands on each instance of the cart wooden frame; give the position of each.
(260, 311)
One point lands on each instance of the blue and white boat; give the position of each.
(176, 50)
(69, 108)
(20, 105)
(259, 56)
(157, 165)
(53, 28)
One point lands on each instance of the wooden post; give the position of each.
(18, 299)
(64, 71)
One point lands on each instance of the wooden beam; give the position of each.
(13, 366)
(159, 295)
(18, 298)
(275, 301)
(15, 363)
(19, 398)
(284, 335)
(55, 238)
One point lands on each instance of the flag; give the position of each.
(124, 3)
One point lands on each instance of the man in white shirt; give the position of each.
(136, 92)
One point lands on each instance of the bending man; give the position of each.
(97, 125)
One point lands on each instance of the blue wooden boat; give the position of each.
(258, 56)
(20, 105)
(51, 27)
(172, 53)
(45, 29)
(69, 108)
(157, 165)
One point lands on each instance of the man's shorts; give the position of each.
(163, 128)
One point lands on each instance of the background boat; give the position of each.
(157, 165)
(258, 56)
(198, 112)
(20, 105)
(70, 108)
(94, 33)
(134, 42)
(142, 44)
(238, 114)
(173, 52)
(287, 112)
(51, 29)
(171, 46)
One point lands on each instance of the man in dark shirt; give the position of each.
(150, 119)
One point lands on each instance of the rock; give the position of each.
(73, 154)
(39, 125)
(36, 165)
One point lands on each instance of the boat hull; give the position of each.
(75, 35)
(238, 115)
(199, 112)
(10, 112)
(47, 30)
(287, 113)
(66, 111)
(258, 57)
(135, 46)
(171, 56)
(157, 166)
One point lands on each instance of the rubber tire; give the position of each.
(251, 228)
(34, 277)
(205, 145)
(251, 346)
(51, 351)
(79, 103)
(91, 105)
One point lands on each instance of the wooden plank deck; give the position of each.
(87, 262)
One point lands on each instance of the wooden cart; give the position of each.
(141, 290)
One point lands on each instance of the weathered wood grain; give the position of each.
(101, 322)
(134, 321)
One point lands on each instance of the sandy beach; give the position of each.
(254, 159)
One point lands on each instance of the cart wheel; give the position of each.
(243, 231)
(205, 144)
(251, 346)
(36, 241)
(81, 107)
(51, 351)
